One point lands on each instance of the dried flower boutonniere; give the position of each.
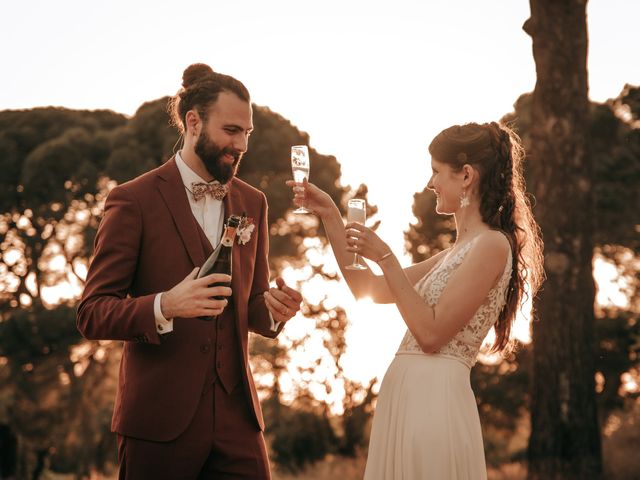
(245, 229)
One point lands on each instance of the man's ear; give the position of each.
(192, 122)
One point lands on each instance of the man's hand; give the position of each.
(283, 302)
(194, 297)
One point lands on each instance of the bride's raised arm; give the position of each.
(363, 283)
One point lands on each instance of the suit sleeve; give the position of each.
(107, 311)
(259, 318)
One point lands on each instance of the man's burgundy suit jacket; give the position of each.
(147, 242)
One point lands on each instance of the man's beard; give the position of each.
(211, 155)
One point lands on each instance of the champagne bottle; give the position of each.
(221, 260)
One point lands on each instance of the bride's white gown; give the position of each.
(426, 423)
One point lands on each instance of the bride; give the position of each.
(426, 424)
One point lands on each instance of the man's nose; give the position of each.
(241, 143)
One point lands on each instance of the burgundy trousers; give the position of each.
(222, 442)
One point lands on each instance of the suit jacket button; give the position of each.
(204, 348)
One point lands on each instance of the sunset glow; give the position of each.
(370, 82)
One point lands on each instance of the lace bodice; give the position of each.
(467, 342)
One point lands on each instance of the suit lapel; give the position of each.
(233, 206)
(175, 198)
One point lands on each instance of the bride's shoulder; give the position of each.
(492, 244)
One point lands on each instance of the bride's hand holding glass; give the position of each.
(365, 242)
(313, 198)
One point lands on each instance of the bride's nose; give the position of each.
(430, 183)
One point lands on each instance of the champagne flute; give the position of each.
(300, 167)
(356, 212)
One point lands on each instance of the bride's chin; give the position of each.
(442, 211)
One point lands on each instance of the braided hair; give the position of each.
(496, 152)
(200, 89)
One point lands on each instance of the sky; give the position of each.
(371, 82)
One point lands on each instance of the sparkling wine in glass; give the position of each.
(300, 168)
(356, 212)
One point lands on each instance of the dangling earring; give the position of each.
(464, 199)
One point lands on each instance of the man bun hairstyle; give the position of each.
(201, 87)
(196, 73)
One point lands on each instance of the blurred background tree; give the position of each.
(565, 434)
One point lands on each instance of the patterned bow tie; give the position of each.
(215, 189)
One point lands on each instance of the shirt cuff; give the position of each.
(162, 324)
(274, 324)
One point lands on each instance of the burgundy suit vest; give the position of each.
(224, 344)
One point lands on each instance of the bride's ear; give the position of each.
(469, 175)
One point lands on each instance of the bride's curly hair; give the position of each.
(496, 152)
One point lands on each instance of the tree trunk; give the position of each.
(565, 438)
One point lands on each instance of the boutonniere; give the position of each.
(245, 229)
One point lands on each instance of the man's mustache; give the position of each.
(232, 152)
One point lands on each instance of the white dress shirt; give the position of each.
(209, 213)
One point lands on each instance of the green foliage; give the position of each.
(502, 396)
(503, 385)
(31, 334)
(59, 391)
(629, 101)
(356, 419)
(615, 148)
(52, 158)
(620, 443)
(73, 157)
(8, 452)
(151, 127)
(301, 438)
(23, 131)
(618, 337)
(143, 143)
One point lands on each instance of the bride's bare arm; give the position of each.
(363, 283)
(465, 292)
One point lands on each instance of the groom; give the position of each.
(186, 405)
